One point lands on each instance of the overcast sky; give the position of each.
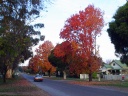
(61, 10)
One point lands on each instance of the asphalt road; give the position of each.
(60, 88)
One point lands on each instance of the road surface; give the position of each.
(60, 88)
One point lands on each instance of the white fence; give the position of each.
(115, 77)
(83, 76)
(107, 77)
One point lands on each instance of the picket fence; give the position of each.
(115, 77)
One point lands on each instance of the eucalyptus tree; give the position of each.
(118, 32)
(17, 33)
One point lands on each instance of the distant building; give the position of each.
(114, 68)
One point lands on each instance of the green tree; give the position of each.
(118, 32)
(57, 62)
(17, 34)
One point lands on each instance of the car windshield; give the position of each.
(39, 75)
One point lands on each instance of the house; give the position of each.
(114, 68)
(105, 69)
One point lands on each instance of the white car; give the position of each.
(38, 78)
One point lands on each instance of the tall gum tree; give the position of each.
(82, 28)
(118, 32)
(17, 32)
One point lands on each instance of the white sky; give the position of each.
(61, 10)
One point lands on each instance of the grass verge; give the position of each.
(20, 87)
(94, 82)
(123, 84)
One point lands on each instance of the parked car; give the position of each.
(38, 77)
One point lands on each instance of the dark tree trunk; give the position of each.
(49, 72)
(4, 78)
(90, 73)
(4, 71)
(90, 77)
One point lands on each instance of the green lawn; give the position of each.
(94, 82)
(118, 84)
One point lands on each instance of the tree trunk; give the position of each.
(4, 78)
(90, 73)
(90, 77)
(49, 72)
(64, 74)
(4, 73)
(9, 73)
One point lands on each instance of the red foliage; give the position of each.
(34, 64)
(82, 29)
(40, 60)
(85, 66)
(43, 52)
(65, 51)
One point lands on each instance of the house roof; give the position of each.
(108, 66)
(122, 65)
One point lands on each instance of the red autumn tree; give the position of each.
(43, 52)
(82, 28)
(39, 63)
(80, 67)
(65, 51)
(34, 64)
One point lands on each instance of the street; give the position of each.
(60, 88)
